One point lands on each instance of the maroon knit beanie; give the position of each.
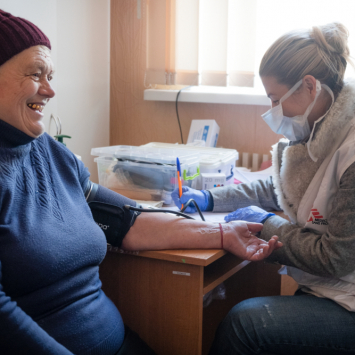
(18, 34)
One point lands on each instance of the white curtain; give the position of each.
(221, 42)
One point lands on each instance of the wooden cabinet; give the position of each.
(160, 293)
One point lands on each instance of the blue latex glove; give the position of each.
(249, 214)
(201, 197)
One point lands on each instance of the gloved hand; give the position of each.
(249, 214)
(201, 197)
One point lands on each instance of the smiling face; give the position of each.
(25, 89)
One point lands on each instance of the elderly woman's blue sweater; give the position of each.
(51, 300)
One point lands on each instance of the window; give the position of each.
(221, 42)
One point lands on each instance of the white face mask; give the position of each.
(293, 128)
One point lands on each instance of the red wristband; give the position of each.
(221, 229)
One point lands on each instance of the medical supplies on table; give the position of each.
(211, 180)
(212, 160)
(204, 130)
(146, 173)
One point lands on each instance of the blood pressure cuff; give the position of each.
(107, 208)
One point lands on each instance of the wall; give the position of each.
(84, 74)
(134, 121)
(79, 34)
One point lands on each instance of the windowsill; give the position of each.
(211, 94)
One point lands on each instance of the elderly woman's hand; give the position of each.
(239, 239)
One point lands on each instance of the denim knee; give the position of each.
(290, 325)
(237, 333)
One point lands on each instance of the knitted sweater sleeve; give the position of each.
(20, 334)
(83, 172)
(259, 193)
(328, 254)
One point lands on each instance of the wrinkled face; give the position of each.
(25, 89)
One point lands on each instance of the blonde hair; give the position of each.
(321, 52)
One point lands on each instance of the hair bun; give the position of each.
(321, 52)
(332, 37)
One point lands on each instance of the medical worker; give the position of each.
(313, 182)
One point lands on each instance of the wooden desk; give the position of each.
(160, 293)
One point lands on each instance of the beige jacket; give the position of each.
(328, 254)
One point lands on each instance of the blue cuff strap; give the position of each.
(267, 217)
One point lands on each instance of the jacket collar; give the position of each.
(340, 114)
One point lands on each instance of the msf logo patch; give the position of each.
(316, 218)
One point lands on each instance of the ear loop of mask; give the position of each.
(294, 88)
(310, 107)
(290, 92)
(314, 158)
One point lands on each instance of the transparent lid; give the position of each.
(208, 155)
(156, 155)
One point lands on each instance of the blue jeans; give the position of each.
(301, 324)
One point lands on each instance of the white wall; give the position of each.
(79, 31)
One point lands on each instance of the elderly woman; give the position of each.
(51, 300)
(314, 183)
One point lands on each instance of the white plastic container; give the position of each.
(205, 130)
(211, 180)
(145, 173)
(212, 160)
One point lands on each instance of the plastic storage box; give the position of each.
(145, 173)
(212, 160)
(205, 130)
